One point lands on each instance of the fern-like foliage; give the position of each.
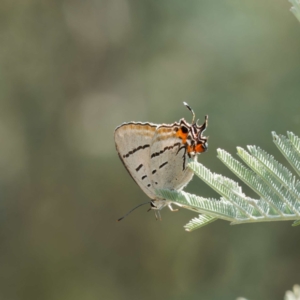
(277, 188)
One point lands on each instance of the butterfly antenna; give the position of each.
(133, 210)
(190, 109)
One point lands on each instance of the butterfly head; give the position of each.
(196, 142)
(200, 140)
(157, 205)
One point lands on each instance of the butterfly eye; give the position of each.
(184, 129)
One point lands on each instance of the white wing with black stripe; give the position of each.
(133, 142)
(168, 159)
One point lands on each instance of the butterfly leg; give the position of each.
(157, 215)
(171, 208)
(156, 211)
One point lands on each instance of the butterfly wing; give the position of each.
(168, 158)
(133, 142)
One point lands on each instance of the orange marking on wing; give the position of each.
(164, 134)
(182, 135)
(190, 149)
(199, 148)
(146, 129)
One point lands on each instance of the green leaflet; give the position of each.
(278, 189)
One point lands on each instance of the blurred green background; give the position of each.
(70, 72)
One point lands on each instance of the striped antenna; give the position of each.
(132, 210)
(190, 109)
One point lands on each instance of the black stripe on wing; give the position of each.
(136, 149)
(139, 167)
(162, 165)
(165, 149)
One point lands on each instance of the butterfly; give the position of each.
(156, 155)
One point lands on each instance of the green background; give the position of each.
(70, 72)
